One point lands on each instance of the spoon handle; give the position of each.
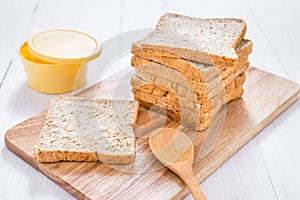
(195, 189)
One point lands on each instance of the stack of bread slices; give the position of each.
(190, 67)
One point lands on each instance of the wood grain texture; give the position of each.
(265, 98)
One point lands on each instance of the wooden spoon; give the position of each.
(175, 150)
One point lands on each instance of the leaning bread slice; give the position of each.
(209, 107)
(86, 129)
(186, 93)
(192, 70)
(217, 36)
(167, 73)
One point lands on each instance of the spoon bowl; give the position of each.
(175, 150)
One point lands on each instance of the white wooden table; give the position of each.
(266, 168)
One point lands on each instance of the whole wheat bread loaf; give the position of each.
(201, 50)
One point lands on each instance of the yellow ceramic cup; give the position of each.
(52, 78)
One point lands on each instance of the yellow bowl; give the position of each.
(52, 78)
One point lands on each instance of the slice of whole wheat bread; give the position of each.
(209, 107)
(86, 129)
(216, 36)
(193, 71)
(163, 90)
(165, 72)
(176, 45)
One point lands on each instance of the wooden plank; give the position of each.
(284, 146)
(273, 24)
(21, 13)
(234, 179)
(281, 26)
(265, 98)
(19, 19)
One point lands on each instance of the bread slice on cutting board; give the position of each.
(86, 129)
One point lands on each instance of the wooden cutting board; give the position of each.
(265, 97)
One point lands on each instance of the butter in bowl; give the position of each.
(56, 61)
